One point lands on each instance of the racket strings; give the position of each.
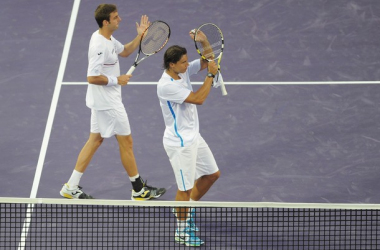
(215, 40)
(155, 38)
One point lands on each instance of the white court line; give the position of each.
(54, 102)
(250, 83)
(49, 124)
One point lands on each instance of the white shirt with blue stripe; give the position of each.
(181, 118)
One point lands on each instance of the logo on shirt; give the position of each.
(100, 53)
(111, 64)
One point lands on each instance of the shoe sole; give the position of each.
(140, 199)
(149, 198)
(145, 199)
(66, 195)
(180, 241)
(73, 197)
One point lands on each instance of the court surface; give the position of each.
(300, 123)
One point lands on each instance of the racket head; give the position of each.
(215, 38)
(155, 37)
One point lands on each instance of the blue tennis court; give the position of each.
(300, 123)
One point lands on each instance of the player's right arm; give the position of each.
(104, 80)
(94, 72)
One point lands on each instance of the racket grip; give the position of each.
(130, 71)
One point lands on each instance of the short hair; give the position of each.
(103, 12)
(173, 54)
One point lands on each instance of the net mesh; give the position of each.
(155, 38)
(214, 38)
(45, 224)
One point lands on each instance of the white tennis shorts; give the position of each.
(192, 162)
(110, 122)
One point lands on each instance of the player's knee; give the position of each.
(215, 176)
(184, 195)
(99, 142)
(96, 142)
(125, 142)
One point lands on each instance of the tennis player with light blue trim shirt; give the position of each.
(193, 163)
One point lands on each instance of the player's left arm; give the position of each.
(205, 43)
(132, 46)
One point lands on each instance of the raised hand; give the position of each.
(201, 37)
(144, 23)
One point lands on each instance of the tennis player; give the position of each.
(108, 115)
(193, 163)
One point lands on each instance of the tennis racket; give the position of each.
(153, 39)
(214, 50)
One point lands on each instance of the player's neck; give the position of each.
(173, 74)
(106, 33)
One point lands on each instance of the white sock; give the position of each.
(74, 179)
(133, 178)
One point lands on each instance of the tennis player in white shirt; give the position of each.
(108, 115)
(193, 163)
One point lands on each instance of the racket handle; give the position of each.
(130, 71)
(223, 89)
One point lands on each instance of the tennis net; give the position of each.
(111, 224)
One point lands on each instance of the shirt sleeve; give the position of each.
(194, 67)
(173, 92)
(119, 47)
(95, 60)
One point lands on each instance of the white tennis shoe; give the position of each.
(75, 193)
(187, 237)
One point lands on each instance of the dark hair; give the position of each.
(103, 12)
(173, 54)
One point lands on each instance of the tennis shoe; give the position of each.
(75, 193)
(147, 193)
(190, 221)
(187, 237)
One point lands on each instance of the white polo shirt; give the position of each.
(181, 118)
(103, 60)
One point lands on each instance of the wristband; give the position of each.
(112, 80)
